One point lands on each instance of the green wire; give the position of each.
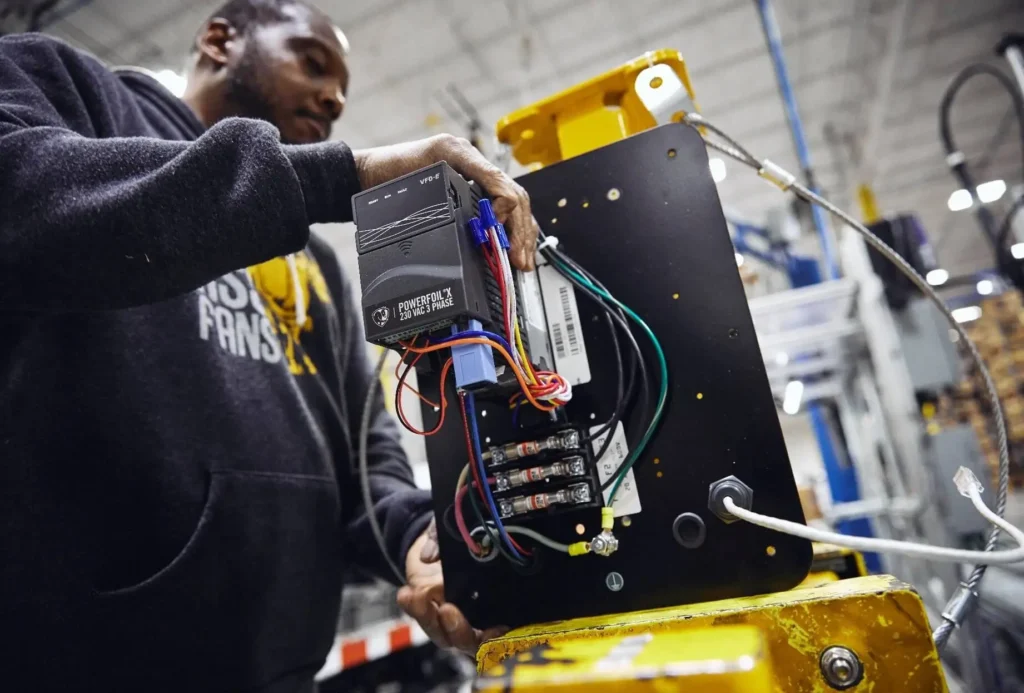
(662, 363)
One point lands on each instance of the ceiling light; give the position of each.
(718, 171)
(781, 358)
(937, 277)
(986, 287)
(991, 191)
(174, 82)
(739, 260)
(967, 313)
(1017, 250)
(960, 200)
(791, 399)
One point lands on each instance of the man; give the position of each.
(177, 432)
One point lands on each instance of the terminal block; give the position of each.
(501, 454)
(569, 467)
(576, 494)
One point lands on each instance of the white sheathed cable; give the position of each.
(968, 485)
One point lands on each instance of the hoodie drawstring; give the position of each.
(300, 296)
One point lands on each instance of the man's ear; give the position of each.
(217, 41)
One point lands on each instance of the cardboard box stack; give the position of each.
(999, 336)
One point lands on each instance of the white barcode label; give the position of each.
(565, 295)
(563, 318)
(627, 500)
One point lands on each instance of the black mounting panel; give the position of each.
(653, 232)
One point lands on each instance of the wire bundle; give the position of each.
(489, 233)
(616, 314)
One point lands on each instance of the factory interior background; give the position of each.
(868, 79)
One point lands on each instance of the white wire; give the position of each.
(906, 548)
(536, 536)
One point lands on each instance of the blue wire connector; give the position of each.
(476, 230)
(474, 363)
(488, 220)
(487, 217)
(502, 238)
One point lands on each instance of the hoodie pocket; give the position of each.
(254, 594)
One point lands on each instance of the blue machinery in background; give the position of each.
(842, 479)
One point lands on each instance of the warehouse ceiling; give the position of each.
(868, 76)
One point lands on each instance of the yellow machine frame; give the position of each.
(839, 630)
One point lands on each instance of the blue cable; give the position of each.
(478, 453)
(803, 152)
(475, 333)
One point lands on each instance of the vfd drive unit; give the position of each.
(418, 267)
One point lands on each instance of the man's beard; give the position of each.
(246, 91)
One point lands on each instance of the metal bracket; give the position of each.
(662, 92)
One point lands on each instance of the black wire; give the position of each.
(620, 398)
(959, 169)
(1004, 228)
(615, 314)
(961, 78)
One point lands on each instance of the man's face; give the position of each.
(292, 74)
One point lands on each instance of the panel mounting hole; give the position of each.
(672, 153)
(733, 333)
(689, 530)
(580, 529)
(657, 460)
(585, 203)
(563, 202)
(487, 439)
(614, 581)
(475, 595)
(614, 194)
(661, 474)
(700, 395)
(627, 521)
(675, 297)
(483, 412)
(770, 551)
(593, 416)
(554, 220)
(657, 82)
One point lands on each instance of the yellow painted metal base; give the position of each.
(586, 116)
(730, 645)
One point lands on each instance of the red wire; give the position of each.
(495, 266)
(461, 522)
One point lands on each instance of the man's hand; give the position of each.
(511, 203)
(423, 599)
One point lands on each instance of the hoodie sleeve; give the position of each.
(93, 220)
(402, 510)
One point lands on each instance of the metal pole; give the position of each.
(803, 153)
(842, 478)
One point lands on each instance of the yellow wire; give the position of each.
(522, 354)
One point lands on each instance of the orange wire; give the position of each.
(409, 387)
(403, 384)
(494, 345)
(444, 406)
